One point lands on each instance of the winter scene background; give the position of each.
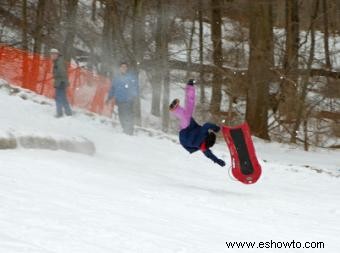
(83, 183)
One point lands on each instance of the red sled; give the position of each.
(245, 166)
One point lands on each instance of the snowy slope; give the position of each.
(144, 194)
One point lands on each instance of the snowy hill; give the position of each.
(146, 194)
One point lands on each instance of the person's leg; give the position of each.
(131, 115)
(65, 103)
(123, 112)
(58, 102)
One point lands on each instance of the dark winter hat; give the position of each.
(210, 140)
(123, 63)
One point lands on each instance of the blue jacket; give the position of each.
(124, 88)
(194, 135)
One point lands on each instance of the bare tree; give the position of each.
(37, 35)
(138, 44)
(160, 58)
(156, 77)
(190, 45)
(300, 105)
(71, 27)
(108, 37)
(289, 84)
(138, 32)
(200, 18)
(326, 33)
(216, 37)
(260, 63)
(25, 66)
(24, 25)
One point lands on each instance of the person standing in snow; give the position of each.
(60, 83)
(124, 93)
(192, 136)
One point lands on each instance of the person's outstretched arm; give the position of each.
(211, 156)
(190, 98)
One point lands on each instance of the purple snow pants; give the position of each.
(184, 114)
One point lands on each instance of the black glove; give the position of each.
(216, 129)
(191, 82)
(220, 162)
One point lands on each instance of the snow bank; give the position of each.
(34, 141)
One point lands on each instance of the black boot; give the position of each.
(191, 82)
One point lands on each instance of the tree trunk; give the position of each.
(189, 51)
(71, 27)
(108, 38)
(165, 76)
(94, 10)
(289, 88)
(37, 36)
(292, 36)
(166, 95)
(157, 81)
(200, 17)
(138, 32)
(138, 46)
(25, 66)
(24, 25)
(216, 37)
(300, 105)
(260, 62)
(156, 96)
(326, 33)
(305, 130)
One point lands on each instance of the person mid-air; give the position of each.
(192, 136)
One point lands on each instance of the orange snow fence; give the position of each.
(34, 72)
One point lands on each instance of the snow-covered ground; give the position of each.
(146, 194)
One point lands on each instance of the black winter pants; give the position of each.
(126, 116)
